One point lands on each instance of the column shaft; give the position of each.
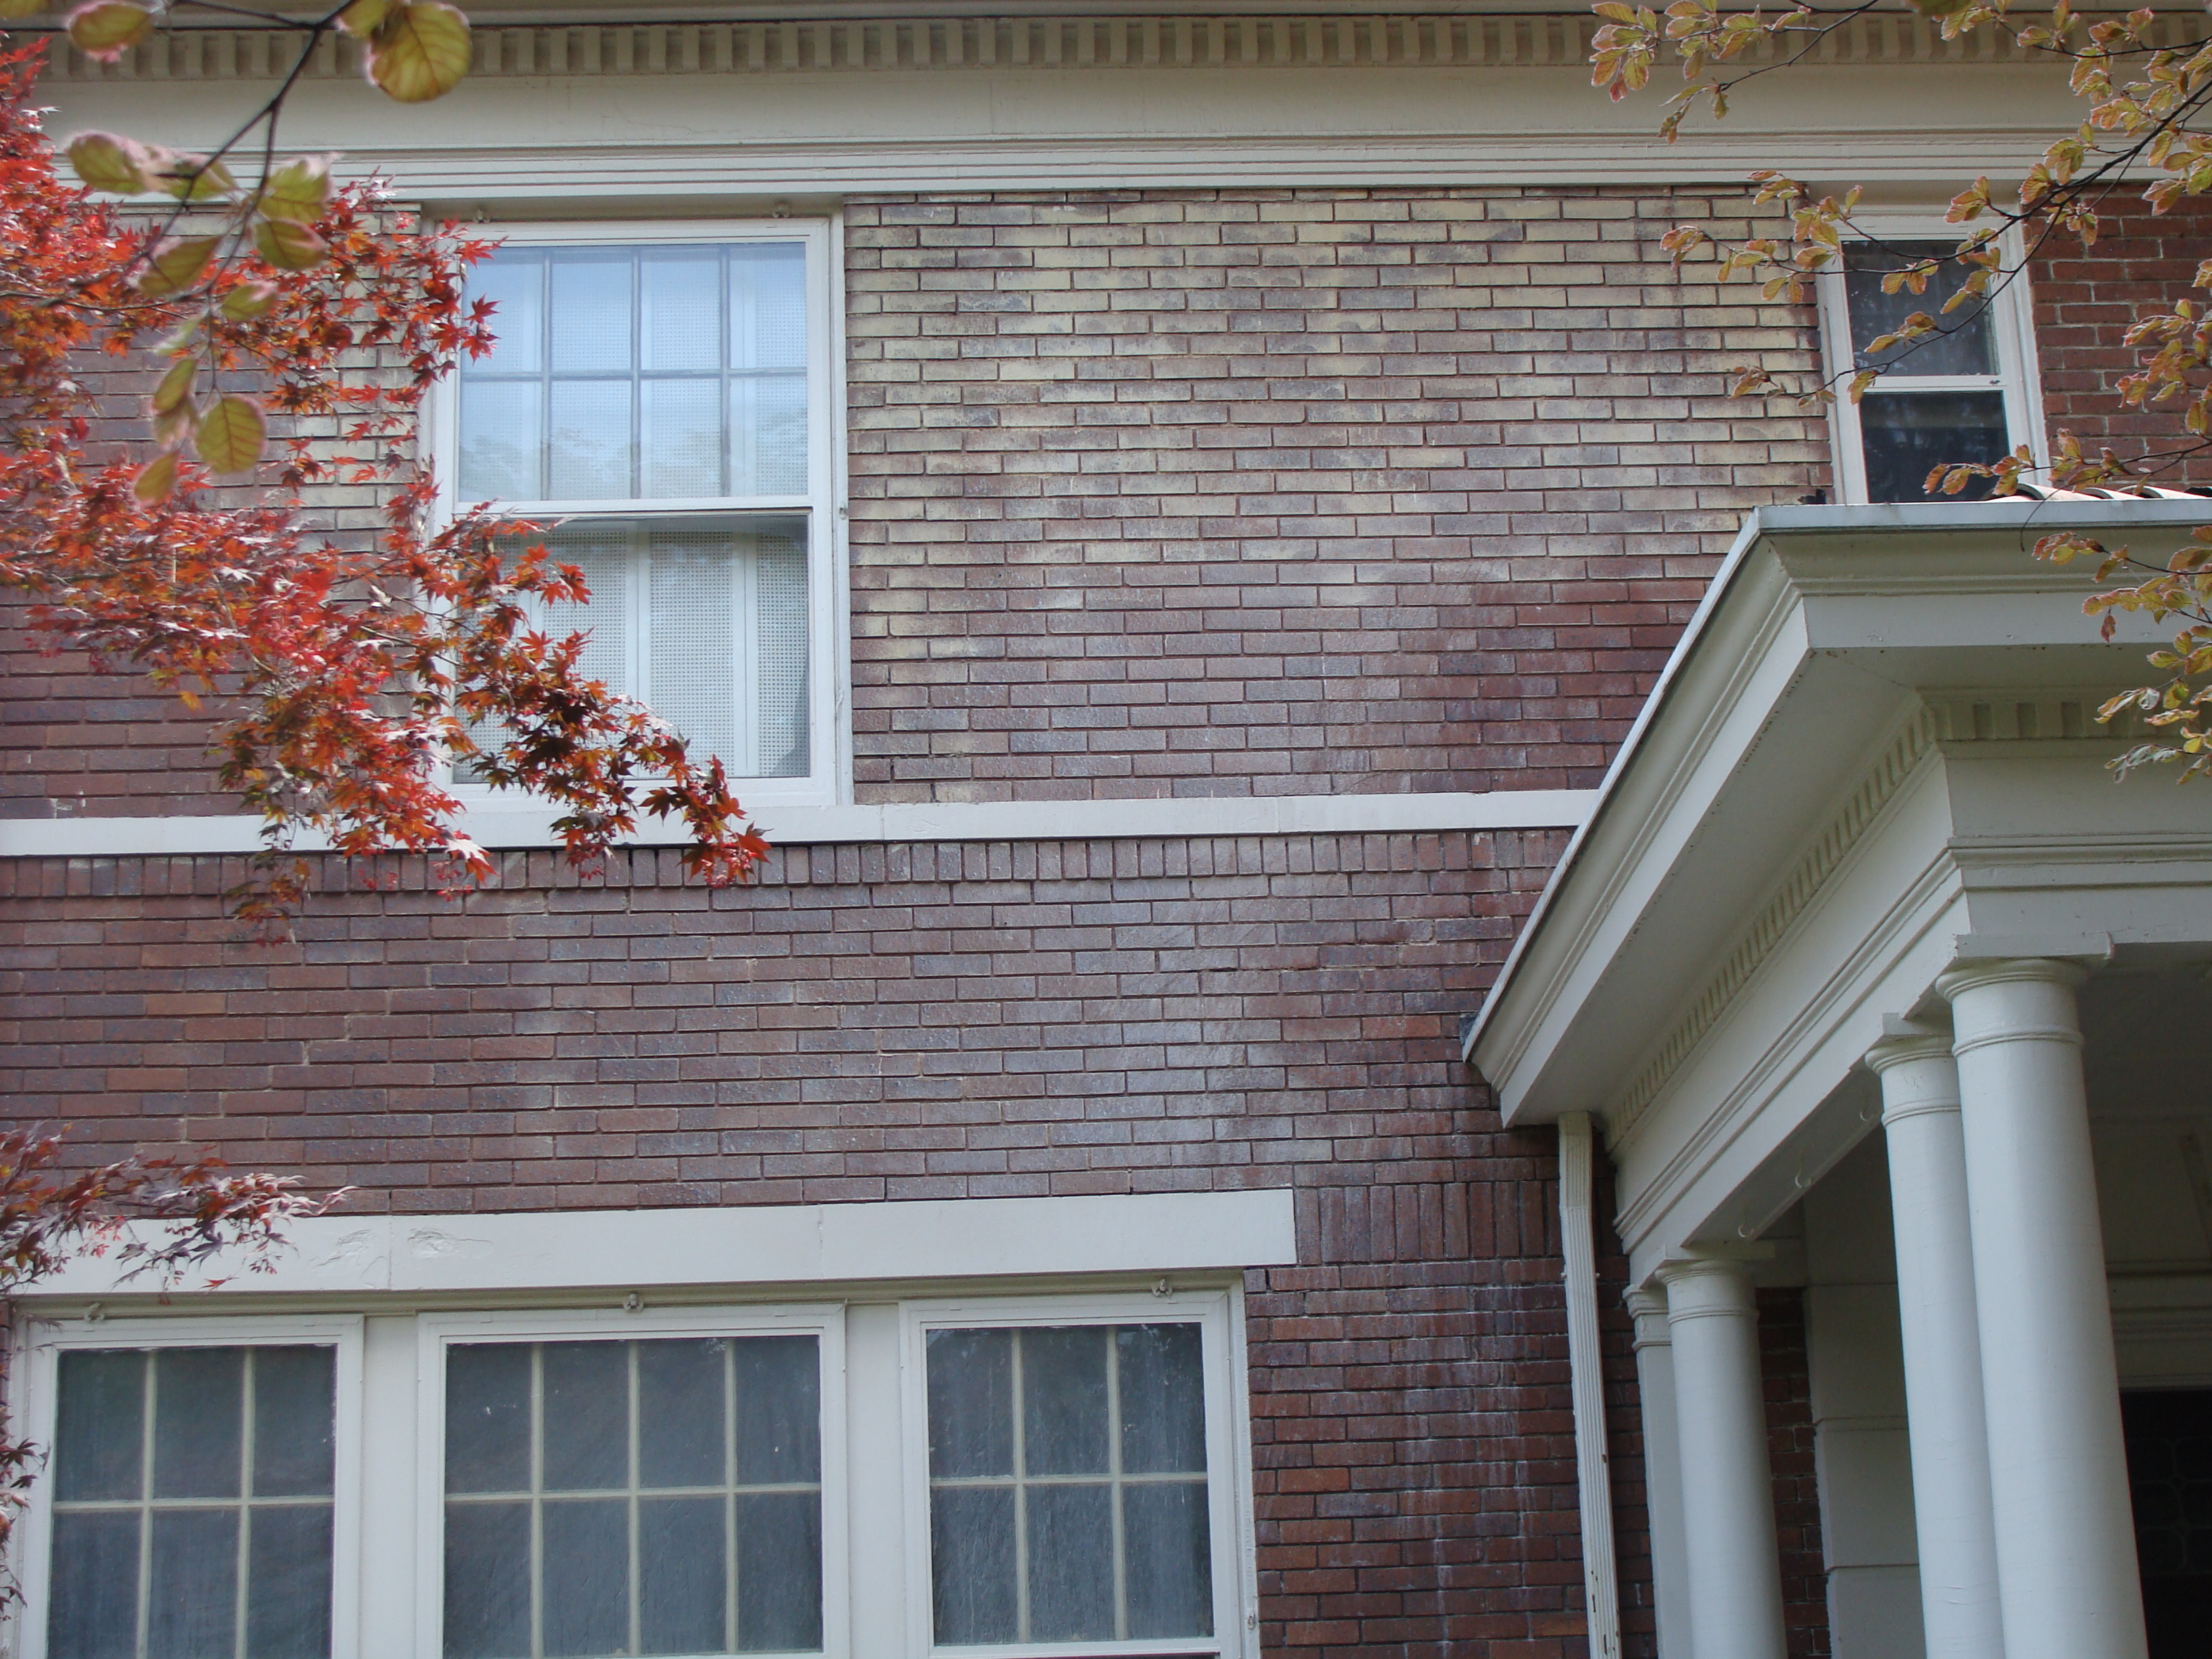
(2065, 1537)
(1952, 1515)
(1663, 1471)
(1727, 1493)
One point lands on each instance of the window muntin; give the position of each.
(641, 372)
(1068, 1484)
(193, 1506)
(661, 1495)
(1961, 395)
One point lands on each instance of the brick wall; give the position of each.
(934, 1021)
(2084, 303)
(1785, 1368)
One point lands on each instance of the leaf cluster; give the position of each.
(2147, 118)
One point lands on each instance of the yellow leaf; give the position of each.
(108, 161)
(361, 18)
(107, 29)
(289, 246)
(297, 191)
(177, 265)
(231, 435)
(194, 178)
(15, 9)
(247, 300)
(176, 386)
(157, 477)
(420, 51)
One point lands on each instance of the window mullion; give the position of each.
(1021, 1500)
(537, 1500)
(1113, 1473)
(730, 1497)
(637, 1559)
(150, 1395)
(245, 1543)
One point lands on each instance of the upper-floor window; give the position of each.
(1966, 393)
(665, 402)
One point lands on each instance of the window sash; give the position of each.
(2010, 325)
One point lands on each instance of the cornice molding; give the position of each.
(1766, 928)
(818, 45)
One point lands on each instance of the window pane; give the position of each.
(587, 1421)
(768, 306)
(1167, 1559)
(487, 1580)
(680, 439)
(1906, 433)
(1071, 1551)
(100, 1433)
(92, 1602)
(488, 1417)
(636, 1568)
(680, 309)
(971, 1561)
(591, 448)
(292, 1427)
(1064, 1401)
(603, 553)
(779, 1572)
(197, 1422)
(767, 435)
(502, 440)
(783, 750)
(1163, 1399)
(694, 634)
(683, 1575)
(192, 1602)
(1963, 345)
(587, 1576)
(971, 1403)
(679, 1413)
(779, 1410)
(593, 311)
(288, 1604)
(515, 282)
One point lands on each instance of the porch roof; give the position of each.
(1826, 631)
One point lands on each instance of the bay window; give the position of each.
(663, 402)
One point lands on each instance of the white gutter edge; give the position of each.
(1585, 1371)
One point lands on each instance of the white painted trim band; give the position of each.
(821, 826)
(932, 1239)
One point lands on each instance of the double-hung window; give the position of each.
(665, 403)
(1966, 393)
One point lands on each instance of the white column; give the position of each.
(2058, 1480)
(1952, 1518)
(1663, 1471)
(1728, 1491)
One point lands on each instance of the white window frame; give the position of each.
(1228, 1459)
(436, 1332)
(2012, 329)
(829, 776)
(43, 1342)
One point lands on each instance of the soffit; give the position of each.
(1838, 650)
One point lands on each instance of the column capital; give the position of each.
(1708, 1287)
(1974, 973)
(1904, 1041)
(1648, 1307)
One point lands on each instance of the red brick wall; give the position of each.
(1785, 1368)
(1267, 492)
(2084, 303)
(932, 1021)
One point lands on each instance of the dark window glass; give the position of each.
(1963, 344)
(1907, 434)
(192, 1507)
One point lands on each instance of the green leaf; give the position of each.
(420, 51)
(246, 301)
(176, 386)
(363, 17)
(232, 434)
(11, 9)
(157, 477)
(297, 191)
(107, 29)
(109, 161)
(194, 178)
(289, 246)
(177, 265)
